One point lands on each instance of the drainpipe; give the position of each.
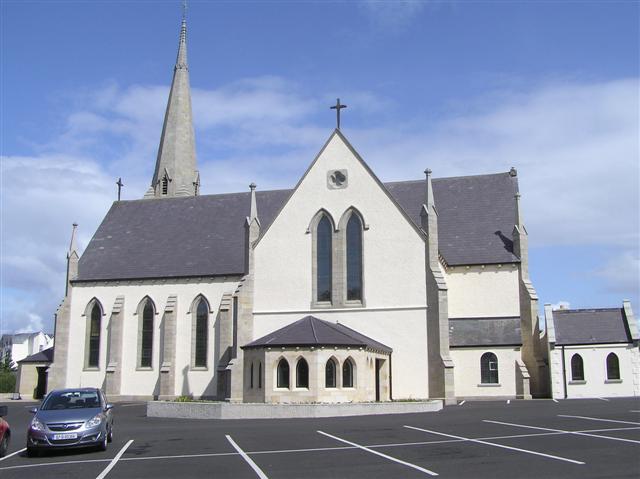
(564, 374)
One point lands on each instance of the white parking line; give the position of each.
(113, 462)
(550, 456)
(408, 464)
(561, 430)
(554, 400)
(462, 402)
(600, 419)
(508, 401)
(253, 465)
(12, 454)
(603, 399)
(634, 410)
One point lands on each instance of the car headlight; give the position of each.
(94, 421)
(36, 425)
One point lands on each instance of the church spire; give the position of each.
(175, 173)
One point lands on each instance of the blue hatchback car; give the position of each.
(71, 418)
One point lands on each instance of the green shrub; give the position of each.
(184, 399)
(7, 381)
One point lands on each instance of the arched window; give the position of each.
(201, 332)
(146, 335)
(259, 375)
(251, 376)
(347, 373)
(577, 368)
(354, 258)
(324, 268)
(165, 185)
(330, 374)
(489, 369)
(302, 374)
(613, 367)
(93, 336)
(283, 374)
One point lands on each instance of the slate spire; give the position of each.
(176, 173)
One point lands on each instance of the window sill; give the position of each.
(321, 304)
(489, 385)
(577, 382)
(613, 381)
(353, 303)
(90, 369)
(144, 368)
(198, 368)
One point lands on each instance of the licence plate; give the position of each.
(68, 435)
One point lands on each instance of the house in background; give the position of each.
(593, 352)
(18, 346)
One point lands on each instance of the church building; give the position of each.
(343, 288)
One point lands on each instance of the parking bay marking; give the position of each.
(479, 441)
(244, 455)
(599, 419)
(12, 454)
(289, 451)
(114, 461)
(577, 433)
(364, 448)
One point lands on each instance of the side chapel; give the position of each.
(343, 288)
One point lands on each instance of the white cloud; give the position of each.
(622, 272)
(35, 324)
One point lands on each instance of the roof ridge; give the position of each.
(579, 310)
(313, 328)
(283, 329)
(334, 327)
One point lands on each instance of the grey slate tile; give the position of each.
(590, 326)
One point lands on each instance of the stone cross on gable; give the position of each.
(120, 185)
(337, 107)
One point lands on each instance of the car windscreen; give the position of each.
(71, 400)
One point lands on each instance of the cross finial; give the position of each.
(120, 185)
(337, 107)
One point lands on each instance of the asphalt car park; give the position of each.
(585, 438)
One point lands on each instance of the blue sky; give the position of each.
(461, 87)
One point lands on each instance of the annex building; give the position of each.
(342, 288)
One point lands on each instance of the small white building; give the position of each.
(18, 346)
(593, 352)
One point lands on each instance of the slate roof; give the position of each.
(205, 235)
(44, 356)
(590, 326)
(311, 331)
(467, 332)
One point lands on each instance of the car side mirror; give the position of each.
(3, 411)
(108, 407)
(33, 410)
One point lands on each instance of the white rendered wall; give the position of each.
(477, 291)
(137, 382)
(394, 271)
(467, 375)
(394, 287)
(595, 371)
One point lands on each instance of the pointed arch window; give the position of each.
(251, 376)
(348, 370)
(282, 379)
(259, 375)
(145, 355)
(489, 369)
(613, 367)
(201, 333)
(302, 374)
(330, 374)
(354, 258)
(94, 325)
(324, 266)
(577, 368)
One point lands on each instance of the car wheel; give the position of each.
(4, 445)
(31, 452)
(110, 435)
(103, 445)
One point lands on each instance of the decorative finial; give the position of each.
(337, 107)
(513, 171)
(427, 172)
(252, 186)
